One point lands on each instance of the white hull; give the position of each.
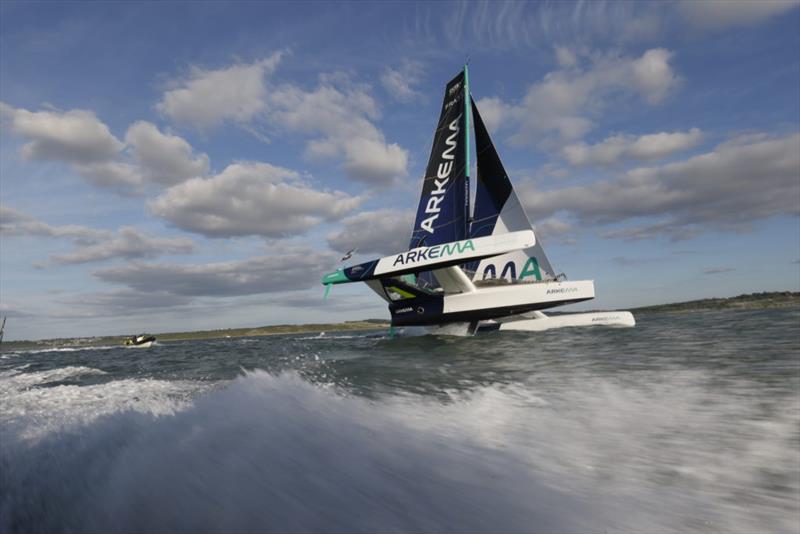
(142, 345)
(623, 319)
(524, 323)
(519, 295)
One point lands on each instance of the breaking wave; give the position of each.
(39, 403)
(277, 453)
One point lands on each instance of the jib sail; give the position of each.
(498, 211)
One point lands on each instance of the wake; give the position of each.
(276, 453)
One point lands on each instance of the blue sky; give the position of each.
(173, 166)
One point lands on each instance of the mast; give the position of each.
(467, 108)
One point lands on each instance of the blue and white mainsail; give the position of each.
(499, 211)
(442, 211)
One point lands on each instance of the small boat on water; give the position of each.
(141, 341)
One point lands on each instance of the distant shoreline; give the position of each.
(348, 326)
(751, 301)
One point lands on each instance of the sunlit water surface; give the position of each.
(688, 422)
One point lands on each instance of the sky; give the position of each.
(183, 166)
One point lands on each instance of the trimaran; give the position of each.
(463, 274)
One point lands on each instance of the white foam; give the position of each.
(279, 454)
(15, 380)
(35, 411)
(333, 337)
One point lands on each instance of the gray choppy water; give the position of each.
(685, 423)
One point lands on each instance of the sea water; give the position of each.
(686, 423)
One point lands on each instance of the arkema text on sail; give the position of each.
(442, 177)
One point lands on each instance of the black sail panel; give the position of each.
(498, 210)
(442, 212)
(492, 187)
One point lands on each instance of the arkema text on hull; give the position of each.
(471, 268)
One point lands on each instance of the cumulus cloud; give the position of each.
(739, 182)
(380, 232)
(250, 199)
(80, 139)
(75, 136)
(14, 223)
(374, 161)
(208, 97)
(620, 147)
(716, 14)
(126, 301)
(494, 112)
(566, 100)
(552, 228)
(298, 270)
(565, 57)
(128, 243)
(166, 159)
(92, 244)
(400, 82)
(121, 176)
(339, 115)
(652, 75)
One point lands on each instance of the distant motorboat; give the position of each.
(141, 341)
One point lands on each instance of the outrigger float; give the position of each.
(463, 274)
